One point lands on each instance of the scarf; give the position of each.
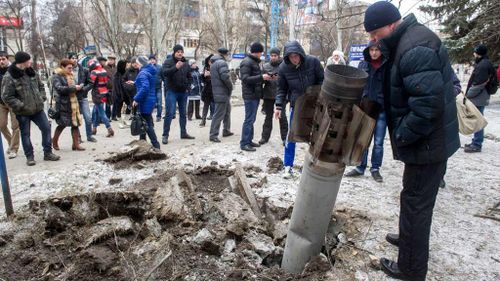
(76, 117)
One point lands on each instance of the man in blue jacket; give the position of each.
(297, 72)
(375, 65)
(177, 75)
(423, 126)
(145, 99)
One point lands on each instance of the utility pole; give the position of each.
(275, 18)
(292, 19)
(338, 24)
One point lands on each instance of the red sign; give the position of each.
(11, 22)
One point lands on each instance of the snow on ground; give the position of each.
(462, 247)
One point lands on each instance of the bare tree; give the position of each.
(20, 10)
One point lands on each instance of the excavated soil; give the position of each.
(163, 230)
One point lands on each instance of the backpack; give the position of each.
(492, 86)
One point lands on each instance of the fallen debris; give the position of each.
(246, 191)
(136, 151)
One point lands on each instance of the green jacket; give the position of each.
(23, 91)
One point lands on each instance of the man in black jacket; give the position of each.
(177, 74)
(296, 73)
(423, 127)
(128, 84)
(477, 91)
(252, 80)
(11, 137)
(269, 97)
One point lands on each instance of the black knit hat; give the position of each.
(256, 48)
(275, 50)
(21, 57)
(481, 50)
(380, 14)
(223, 51)
(178, 47)
(101, 59)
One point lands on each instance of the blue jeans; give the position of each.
(159, 104)
(289, 146)
(85, 111)
(251, 107)
(378, 146)
(99, 115)
(150, 130)
(40, 119)
(172, 99)
(478, 138)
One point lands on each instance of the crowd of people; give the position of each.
(410, 78)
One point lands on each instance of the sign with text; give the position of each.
(11, 22)
(356, 52)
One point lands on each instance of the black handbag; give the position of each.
(138, 125)
(52, 112)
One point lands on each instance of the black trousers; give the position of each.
(268, 107)
(194, 105)
(420, 188)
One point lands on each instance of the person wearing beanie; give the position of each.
(269, 98)
(24, 92)
(100, 95)
(222, 87)
(195, 92)
(159, 96)
(252, 80)
(375, 65)
(178, 80)
(11, 137)
(421, 115)
(145, 99)
(479, 91)
(296, 73)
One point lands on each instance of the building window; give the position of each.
(191, 43)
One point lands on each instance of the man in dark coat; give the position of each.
(296, 73)
(11, 137)
(477, 91)
(423, 127)
(375, 65)
(269, 96)
(221, 90)
(23, 91)
(252, 80)
(177, 75)
(128, 83)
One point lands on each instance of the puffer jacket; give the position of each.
(251, 78)
(374, 88)
(61, 94)
(293, 81)
(145, 84)
(221, 81)
(476, 87)
(420, 104)
(23, 91)
(177, 80)
(270, 87)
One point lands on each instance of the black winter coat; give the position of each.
(270, 87)
(83, 78)
(222, 86)
(177, 80)
(61, 96)
(251, 78)
(130, 90)
(420, 106)
(293, 81)
(207, 95)
(374, 88)
(476, 87)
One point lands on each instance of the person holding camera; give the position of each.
(67, 107)
(252, 80)
(269, 98)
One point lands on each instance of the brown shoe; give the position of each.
(55, 139)
(94, 131)
(110, 132)
(76, 142)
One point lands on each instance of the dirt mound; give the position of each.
(170, 227)
(136, 151)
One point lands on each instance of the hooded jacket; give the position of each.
(374, 88)
(145, 84)
(221, 81)
(23, 91)
(476, 87)
(251, 78)
(420, 101)
(177, 80)
(294, 80)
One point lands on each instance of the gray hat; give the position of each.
(275, 50)
(143, 60)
